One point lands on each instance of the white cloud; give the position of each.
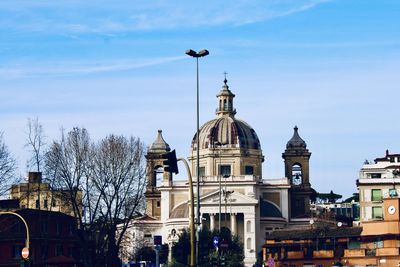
(127, 16)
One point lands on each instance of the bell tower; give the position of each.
(156, 177)
(297, 157)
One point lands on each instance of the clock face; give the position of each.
(391, 209)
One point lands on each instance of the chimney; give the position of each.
(35, 177)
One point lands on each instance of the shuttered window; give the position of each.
(376, 195)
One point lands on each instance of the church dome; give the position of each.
(226, 129)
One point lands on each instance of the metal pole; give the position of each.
(23, 220)
(157, 249)
(219, 177)
(198, 220)
(191, 215)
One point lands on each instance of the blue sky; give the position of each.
(330, 67)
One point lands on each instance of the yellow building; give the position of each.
(376, 243)
(36, 194)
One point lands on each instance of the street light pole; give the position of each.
(25, 223)
(201, 53)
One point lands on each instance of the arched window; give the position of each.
(230, 103)
(248, 226)
(159, 172)
(297, 175)
(225, 105)
(248, 243)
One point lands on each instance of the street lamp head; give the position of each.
(191, 53)
(201, 53)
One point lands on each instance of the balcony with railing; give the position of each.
(323, 253)
(360, 252)
(295, 255)
(387, 251)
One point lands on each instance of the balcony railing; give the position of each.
(354, 252)
(323, 253)
(295, 254)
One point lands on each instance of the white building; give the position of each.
(230, 153)
(377, 180)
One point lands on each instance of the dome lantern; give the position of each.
(225, 101)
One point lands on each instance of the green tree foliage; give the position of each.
(233, 255)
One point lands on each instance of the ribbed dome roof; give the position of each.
(228, 131)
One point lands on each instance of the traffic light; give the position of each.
(170, 162)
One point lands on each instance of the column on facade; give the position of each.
(233, 224)
(212, 221)
(250, 237)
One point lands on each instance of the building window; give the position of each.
(71, 252)
(71, 229)
(45, 204)
(44, 227)
(248, 226)
(392, 192)
(377, 213)
(44, 251)
(37, 204)
(249, 170)
(225, 170)
(58, 228)
(249, 243)
(158, 203)
(53, 202)
(16, 251)
(376, 195)
(59, 250)
(376, 175)
(378, 244)
(202, 171)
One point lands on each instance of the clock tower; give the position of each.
(297, 157)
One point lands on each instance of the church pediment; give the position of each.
(233, 198)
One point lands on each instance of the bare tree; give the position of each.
(8, 166)
(36, 141)
(119, 176)
(104, 183)
(65, 163)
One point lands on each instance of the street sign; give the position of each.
(216, 241)
(25, 253)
